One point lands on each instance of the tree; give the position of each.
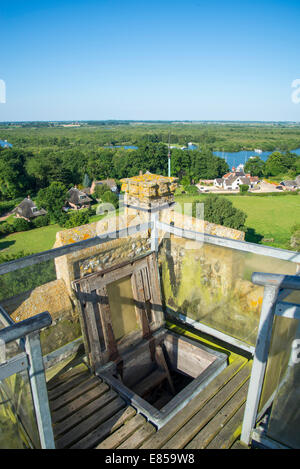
(14, 179)
(255, 166)
(244, 188)
(280, 163)
(99, 165)
(86, 181)
(111, 198)
(221, 211)
(204, 164)
(76, 218)
(20, 224)
(52, 199)
(100, 189)
(191, 190)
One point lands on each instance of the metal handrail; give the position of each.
(44, 256)
(32, 360)
(23, 328)
(276, 288)
(283, 254)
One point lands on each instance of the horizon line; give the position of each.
(148, 120)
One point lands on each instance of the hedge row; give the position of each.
(20, 224)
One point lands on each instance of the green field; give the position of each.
(268, 218)
(36, 240)
(39, 239)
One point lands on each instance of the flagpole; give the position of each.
(169, 159)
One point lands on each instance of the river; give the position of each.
(240, 157)
(232, 158)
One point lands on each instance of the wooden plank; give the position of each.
(239, 445)
(69, 396)
(138, 290)
(123, 433)
(160, 359)
(116, 273)
(89, 424)
(227, 436)
(62, 377)
(138, 437)
(171, 427)
(78, 403)
(92, 327)
(150, 382)
(204, 437)
(68, 385)
(104, 307)
(196, 423)
(156, 301)
(105, 429)
(85, 412)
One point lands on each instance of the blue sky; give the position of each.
(172, 60)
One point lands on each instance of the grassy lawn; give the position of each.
(36, 240)
(268, 217)
(39, 239)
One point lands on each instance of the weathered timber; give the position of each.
(69, 396)
(105, 429)
(78, 417)
(150, 382)
(90, 423)
(171, 427)
(227, 436)
(79, 402)
(68, 385)
(161, 361)
(61, 378)
(196, 423)
(204, 437)
(118, 437)
(239, 445)
(137, 439)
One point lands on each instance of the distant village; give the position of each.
(76, 200)
(233, 180)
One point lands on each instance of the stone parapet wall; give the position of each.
(181, 220)
(52, 296)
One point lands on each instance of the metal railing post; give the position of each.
(38, 386)
(154, 231)
(259, 361)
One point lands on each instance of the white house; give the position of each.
(237, 182)
(218, 182)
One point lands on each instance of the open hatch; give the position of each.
(156, 370)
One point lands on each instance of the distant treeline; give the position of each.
(92, 134)
(24, 172)
(43, 155)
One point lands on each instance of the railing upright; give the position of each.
(259, 361)
(276, 288)
(32, 360)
